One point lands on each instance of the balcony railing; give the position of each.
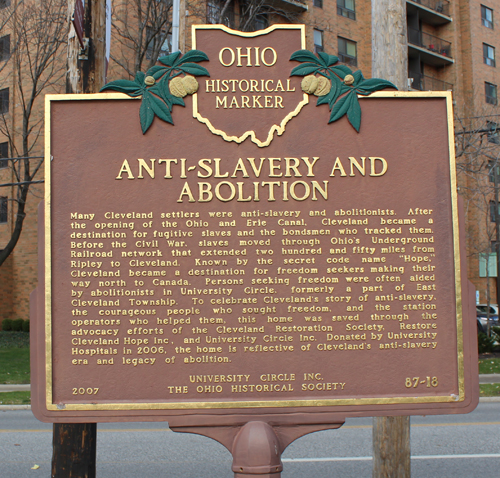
(429, 42)
(348, 60)
(428, 83)
(297, 6)
(440, 6)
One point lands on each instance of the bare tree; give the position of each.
(38, 32)
(256, 14)
(477, 141)
(141, 30)
(245, 15)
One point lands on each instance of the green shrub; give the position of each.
(17, 325)
(485, 344)
(7, 324)
(11, 340)
(26, 326)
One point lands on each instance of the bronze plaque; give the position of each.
(252, 257)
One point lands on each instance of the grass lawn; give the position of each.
(489, 390)
(490, 365)
(14, 365)
(15, 398)
(14, 357)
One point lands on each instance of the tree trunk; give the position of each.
(94, 69)
(389, 42)
(391, 435)
(73, 76)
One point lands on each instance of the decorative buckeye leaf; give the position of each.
(358, 77)
(153, 86)
(342, 71)
(156, 71)
(374, 84)
(169, 60)
(328, 60)
(139, 78)
(305, 56)
(192, 56)
(305, 69)
(340, 108)
(165, 92)
(193, 69)
(345, 84)
(146, 113)
(177, 101)
(160, 109)
(333, 94)
(128, 87)
(159, 90)
(354, 112)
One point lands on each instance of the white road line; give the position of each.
(369, 458)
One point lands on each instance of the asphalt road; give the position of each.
(455, 446)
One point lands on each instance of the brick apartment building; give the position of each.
(451, 46)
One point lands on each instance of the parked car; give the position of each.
(482, 314)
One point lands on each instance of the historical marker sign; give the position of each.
(259, 255)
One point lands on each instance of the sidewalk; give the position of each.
(489, 378)
(15, 388)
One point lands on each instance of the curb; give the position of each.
(4, 408)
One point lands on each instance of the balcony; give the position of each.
(432, 12)
(428, 83)
(295, 6)
(432, 50)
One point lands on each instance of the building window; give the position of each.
(318, 41)
(152, 38)
(5, 48)
(487, 17)
(488, 54)
(492, 167)
(3, 209)
(490, 91)
(4, 153)
(347, 52)
(493, 133)
(346, 8)
(318, 3)
(492, 211)
(261, 22)
(4, 101)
